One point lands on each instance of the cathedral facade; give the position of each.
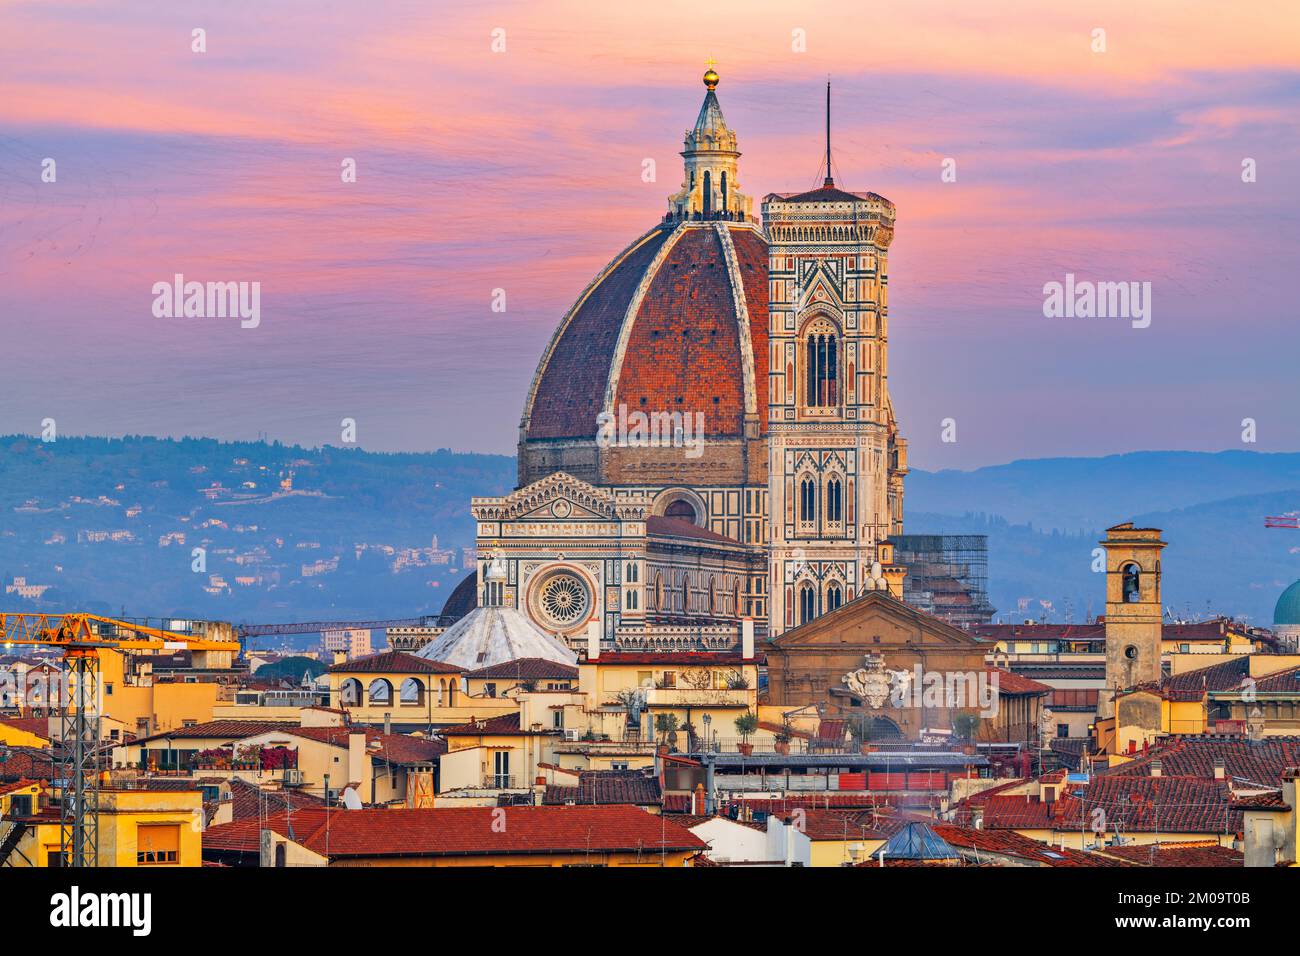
(708, 439)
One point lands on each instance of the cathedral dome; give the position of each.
(675, 325)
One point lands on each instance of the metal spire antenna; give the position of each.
(829, 180)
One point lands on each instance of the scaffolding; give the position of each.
(947, 576)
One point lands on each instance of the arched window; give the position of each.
(834, 597)
(807, 500)
(451, 692)
(350, 692)
(1132, 583)
(807, 603)
(723, 184)
(681, 509)
(631, 600)
(821, 366)
(381, 692)
(712, 595)
(834, 501)
(442, 691)
(708, 194)
(412, 692)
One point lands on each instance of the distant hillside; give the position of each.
(289, 533)
(1044, 518)
(1075, 494)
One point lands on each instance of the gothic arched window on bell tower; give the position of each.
(821, 365)
(834, 501)
(807, 501)
(834, 597)
(807, 603)
(1131, 589)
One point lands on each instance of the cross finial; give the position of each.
(710, 75)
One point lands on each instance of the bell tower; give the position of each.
(836, 461)
(1133, 610)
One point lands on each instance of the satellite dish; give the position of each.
(350, 799)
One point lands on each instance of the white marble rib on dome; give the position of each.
(493, 635)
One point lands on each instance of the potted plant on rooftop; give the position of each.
(783, 737)
(746, 724)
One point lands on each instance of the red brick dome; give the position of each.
(676, 323)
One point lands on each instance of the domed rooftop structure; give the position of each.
(462, 600)
(675, 324)
(494, 635)
(1287, 611)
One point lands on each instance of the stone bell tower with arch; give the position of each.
(836, 462)
(1134, 610)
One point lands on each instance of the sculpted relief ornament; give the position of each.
(874, 684)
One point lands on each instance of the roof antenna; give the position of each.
(829, 181)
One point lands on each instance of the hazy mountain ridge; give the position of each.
(377, 514)
(1220, 559)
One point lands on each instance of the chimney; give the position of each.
(698, 801)
(1218, 768)
(1156, 767)
(357, 756)
(388, 723)
(593, 640)
(340, 657)
(747, 638)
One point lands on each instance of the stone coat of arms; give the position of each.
(873, 683)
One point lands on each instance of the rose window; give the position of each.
(563, 600)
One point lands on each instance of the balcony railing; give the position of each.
(501, 781)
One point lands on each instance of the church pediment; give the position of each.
(877, 620)
(560, 497)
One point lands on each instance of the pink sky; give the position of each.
(521, 170)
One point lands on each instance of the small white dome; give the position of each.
(494, 635)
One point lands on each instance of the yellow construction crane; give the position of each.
(82, 637)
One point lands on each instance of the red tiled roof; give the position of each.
(1255, 761)
(1009, 683)
(29, 763)
(13, 785)
(606, 787)
(226, 730)
(505, 724)
(394, 748)
(467, 831)
(1177, 854)
(526, 668)
(1147, 804)
(39, 726)
(248, 801)
(394, 662)
(1010, 843)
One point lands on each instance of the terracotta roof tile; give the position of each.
(526, 668)
(467, 831)
(394, 662)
